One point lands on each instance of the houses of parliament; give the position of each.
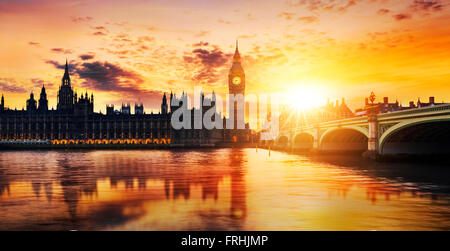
(75, 122)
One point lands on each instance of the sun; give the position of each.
(305, 97)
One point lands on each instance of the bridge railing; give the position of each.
(346, 121)
(444, 108)
(427, 109)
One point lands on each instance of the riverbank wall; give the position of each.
(37, 146)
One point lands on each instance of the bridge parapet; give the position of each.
(341, 122)
(423, 111)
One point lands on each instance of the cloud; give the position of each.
(206, 62)
(106, 76)
(37, 81)
(202, 33)
(400, 17)
(57, 65)
(383, 11)
(286, 15)
(122, 53)
(86, 56)
(247, 36)
(81, 19)
(40, 82)
(223, 21)
(100, 30)
(122, 24)
(144, 39)
(201, 43)
(324, 5)
(61, 51)
(122, 38)
(143, 48)
(124, 45)
(213, 58)
(422, 5)
(308, 19)
(36, 44)
(99, 33)
(10, 85)
(109, 77)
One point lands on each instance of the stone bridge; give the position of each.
(415, 131)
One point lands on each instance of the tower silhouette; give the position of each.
(236, 86)
(43, 102)
(65, 93)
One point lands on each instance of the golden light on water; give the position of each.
(239, 189)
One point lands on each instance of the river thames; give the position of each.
(218, 189)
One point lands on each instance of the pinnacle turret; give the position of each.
(66, 77)
(237, 56)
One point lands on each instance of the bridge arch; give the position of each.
(283, 141)
(345, 138)
(303, 141)
(417, 136)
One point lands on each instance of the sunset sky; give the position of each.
(126, 51)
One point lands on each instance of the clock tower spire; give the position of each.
(237, 56)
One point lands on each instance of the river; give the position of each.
(218, 189)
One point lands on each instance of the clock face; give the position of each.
(236, 80)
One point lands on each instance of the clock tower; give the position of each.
(236, 76)
(236, 86)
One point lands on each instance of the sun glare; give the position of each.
(305, 97)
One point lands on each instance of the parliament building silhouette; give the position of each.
(75, 122)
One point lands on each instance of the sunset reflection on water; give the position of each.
(219, 189)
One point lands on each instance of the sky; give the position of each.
(134, 51)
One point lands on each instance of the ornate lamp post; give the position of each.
(372, 97)
(372, 112)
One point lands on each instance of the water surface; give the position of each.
(217, 189)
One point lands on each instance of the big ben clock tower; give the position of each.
(236, 76)
(236, 86)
